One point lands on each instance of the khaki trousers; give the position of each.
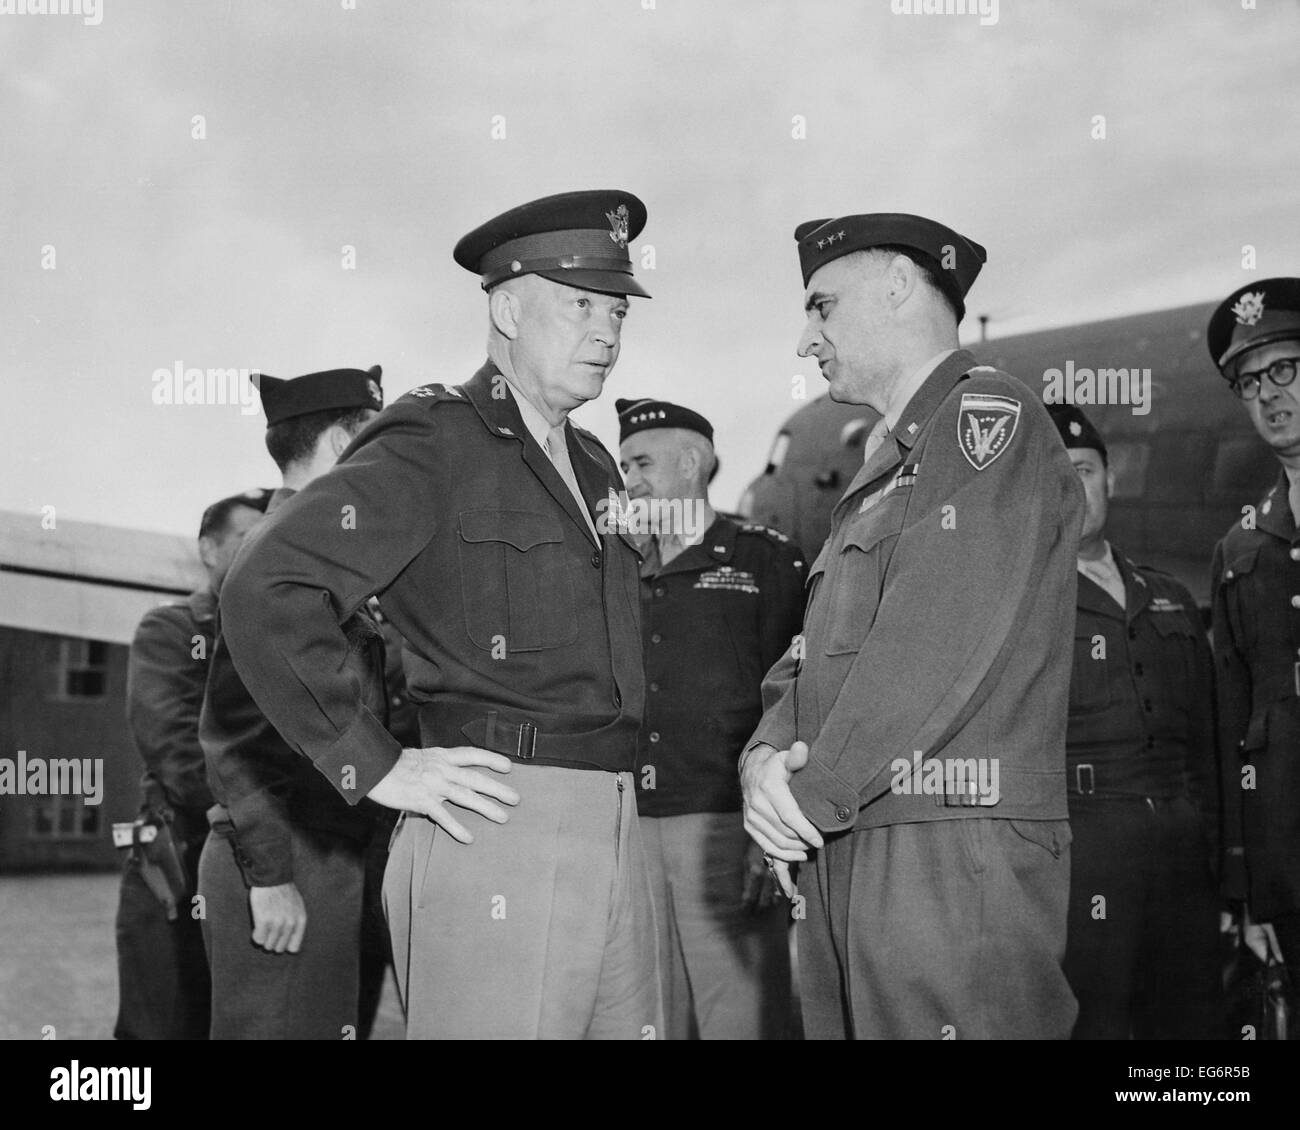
(542, 928)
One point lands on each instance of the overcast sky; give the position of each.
(372, 128)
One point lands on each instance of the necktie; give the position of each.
(875, 438)
(558, 450)
(1293, 496)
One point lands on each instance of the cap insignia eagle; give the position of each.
(1249, 308)
(618, 225)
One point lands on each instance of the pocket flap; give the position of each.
(1241, 564)
(519, 528)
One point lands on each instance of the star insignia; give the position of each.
(1076, 429)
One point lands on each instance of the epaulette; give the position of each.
(764, 531)
(436, 392)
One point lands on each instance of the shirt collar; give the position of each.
(533, 419)
(908, 388)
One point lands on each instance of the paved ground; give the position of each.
(57, 962)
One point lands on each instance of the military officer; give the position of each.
(285, 851)
(913, 746)
(1142, 955)
(475, 511)
(1254, 338)
(163, 986)
(721, 600)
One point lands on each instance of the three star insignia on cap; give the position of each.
(832, 238)
(1249, 308)
(985, 425)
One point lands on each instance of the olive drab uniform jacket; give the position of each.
(166, 673)
(940, 616)
(522, 632)
(1256, 593)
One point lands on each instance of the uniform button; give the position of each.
(654, 735)
(1137, 669)
(842, 814)
(1132, 633)
(595, 559)
(659, 591)
(1295, 601)
(1228, 575)
(656, 638)
(654, 686)
(1295, 553)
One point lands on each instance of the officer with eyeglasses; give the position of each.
(1254, 338)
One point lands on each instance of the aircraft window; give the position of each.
(779, 448)
(1129, 459)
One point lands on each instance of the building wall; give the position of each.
(65, 698)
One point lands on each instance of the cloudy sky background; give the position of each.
(372, 128)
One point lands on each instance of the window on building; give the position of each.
(63, 818)
(82, 669)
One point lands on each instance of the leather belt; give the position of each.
(1116, 779)
(611, 748)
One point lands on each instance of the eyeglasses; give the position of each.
(1281, 373)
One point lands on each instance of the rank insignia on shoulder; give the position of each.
(425, 392)
(985, 426)
(768, 531)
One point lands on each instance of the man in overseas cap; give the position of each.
(164, 992)
(720, 602)
(516, 888)
(1254, 338)
(912, 754)
(1143, 950)
(285, 854)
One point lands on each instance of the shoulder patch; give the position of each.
(985, 426)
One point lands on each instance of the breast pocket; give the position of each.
(853, 584)
(1239, 584)
(515, 576)
(1089, 683)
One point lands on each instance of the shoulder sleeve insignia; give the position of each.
(765, 531)
(985, 426)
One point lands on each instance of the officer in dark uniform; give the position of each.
(285, 850)
(1254, 338)
(1142, 953)
(913, 746)
(476, 512)
(163, 987)
(720, 601)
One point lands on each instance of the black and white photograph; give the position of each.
(895, 636)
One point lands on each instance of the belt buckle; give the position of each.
(1078, 780)
(526, 748)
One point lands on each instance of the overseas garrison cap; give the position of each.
(1076, 429)
(641, 415)
(953, 259)
(576, 238)
(319, 392)
(1254, 315)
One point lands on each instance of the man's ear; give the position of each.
(504, 310)
(1110, 482)
(208, 551)
(900, 280)
(338, 439)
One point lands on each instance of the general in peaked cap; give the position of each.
(319, 392)
(576, 238)
(1258, 314)
(952, 259)
(640, 415)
